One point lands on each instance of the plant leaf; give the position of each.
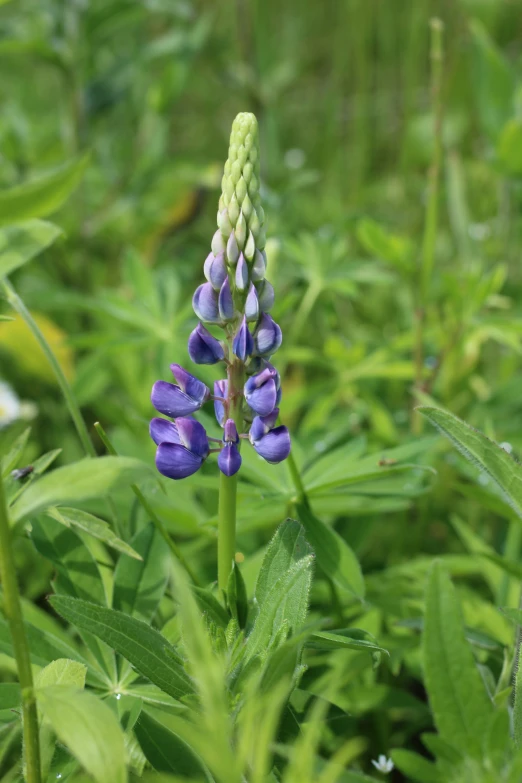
(460, 705)
(42, 195)
(165, 751)
(89, 728)
(482, 452)
(62, 672)
(92, 525)
(144, 647)
(79, 481)
(139, 584)
(21, 242)
(415, 767)
(334, 557)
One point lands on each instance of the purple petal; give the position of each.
(220, 390)
(226, 302)
(243, 344)
(176, 462)
(172, 401)
(274, 446)
(218, 272)
(262, 377)
(192, 435)
(266, 295)
(205, 303)
(263, 399)
(263, 424)
(203, 348)
(163, 431)
(252, 305)
(268, 336)
(241, 273)
(230, 435)
(195, 388)
(229, 459)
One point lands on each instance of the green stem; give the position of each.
(156, 521)
(228, 484)
(18, 305)
(432, 212)
(13, 613)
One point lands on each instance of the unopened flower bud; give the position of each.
(241, 274)
(226, 302)
(232, 250)
(268, 336)
(243, 343)
(205, 304)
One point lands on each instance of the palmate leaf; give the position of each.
(504, 471)
(42, 195)
(21, 242)
(457, 695)
(144, 647)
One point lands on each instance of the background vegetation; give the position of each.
(391, 173)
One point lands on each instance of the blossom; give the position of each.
(267, 336)
(203, 348)
(180, 400)
(229, 459)
(271, 443)
(261, 391)
(383, 764)
(182, 446)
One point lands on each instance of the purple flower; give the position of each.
(229, 460)
(220, 390)
(205, 304)
(203, 348)
(243, 344)
(267, 336)
(226, 302)
(182, 446)
(215, 270)
(273, 444)
(261, 391)
(180, 400)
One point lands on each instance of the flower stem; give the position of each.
(18, 305)
(13, 612)
(228, 484)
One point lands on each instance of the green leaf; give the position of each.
(210, 606)
(10, 461)
(334, 557)
(89, 728)
(62, 672)
(80, 481)
(493, 81)
(380, 243)
(461, 708)
(415, 767)
(291, 589)
(145, 648)
(21, 242)
(139, 585)
(77, 571)
(92, 525)
(339, 640)
(509, 148)
(165, 751)
(237, 596)
(42, 195)
(482, 452)
(10, 700)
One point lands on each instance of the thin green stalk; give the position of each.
(156, 521)
(227, 507)
(18, 305)
(432, 211)
(13, 612)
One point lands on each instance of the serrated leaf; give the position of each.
(461, 707)
(92, 525)
(486, 455)
(80, 481)
(41, 196)
(21, 242)
(139, 585)
(89, 728)
(62, 672)
(144, 647)
(334, 557)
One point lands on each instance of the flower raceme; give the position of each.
(236, 298)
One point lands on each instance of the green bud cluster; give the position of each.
(241, 217)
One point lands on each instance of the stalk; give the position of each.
(13, 612)
(17, 304)
(432, 211)
(227, 507)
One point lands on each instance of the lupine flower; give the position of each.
(203, 348)
(182, 446)
(237, 298)
(229, 460)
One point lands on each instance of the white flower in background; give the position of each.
(10, 405)
(12, 408)
(383, 764)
